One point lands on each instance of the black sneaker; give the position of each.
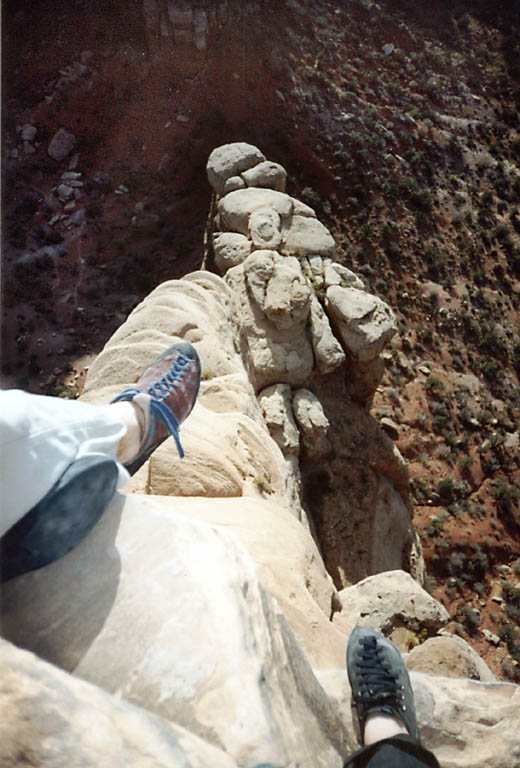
(166, 393)
(62, 519)
(379, 679)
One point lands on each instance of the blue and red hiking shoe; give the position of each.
(166, 394)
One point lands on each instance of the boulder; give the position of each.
(364, 322)
(273, 301)
(306, 236)
(275, 402)
(265, 228)
(236, 207)
(328, 353)
(312, 422)
(168, 613)
(234, 182)
(62, 143)
(230, 160)
(389, 602)
(337, 274)
(449, 656)
(267, 174)
(45, 711)
(230, 249)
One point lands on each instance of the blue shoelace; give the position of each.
(158, 392)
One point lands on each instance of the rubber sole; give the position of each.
(61, 520)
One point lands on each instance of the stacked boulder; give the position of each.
(279, 260)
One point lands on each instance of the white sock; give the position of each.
(380, 726)
(132, 417)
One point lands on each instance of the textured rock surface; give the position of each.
(449, 656)
(312, 421)
(208, 647)
(275, 402)
(388, 602)
(365, 323)
(268, 174)
(54, 719)
(229, 160)
(230, 249)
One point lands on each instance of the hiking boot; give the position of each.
(379, 679)
(62, 519)
(166, 394)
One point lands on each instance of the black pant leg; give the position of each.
(398, 752)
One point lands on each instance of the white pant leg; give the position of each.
(39, 438)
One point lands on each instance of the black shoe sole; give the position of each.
(61, 520)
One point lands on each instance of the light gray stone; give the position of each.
(279, 287)
(306, 236)
(234, 182)
(273, 306)
(275, 402)
(265, 228)
(236, 207)
(327, 350)
(337, 274)
(168, 613)
(60, 720)
(230, 249)
(312, 422)
(268, 175)
(230, 160)
(388, 601)
(364, 322)
(449, 656)
(62, 143)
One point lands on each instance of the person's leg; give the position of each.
(40, 437)
(382, 697)
(75, 455)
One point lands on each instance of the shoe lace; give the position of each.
(378, 684)
(171, 379)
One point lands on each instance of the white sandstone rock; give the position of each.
(390, 600)
(312, 421)
(279, 288)
(265, 228)
(44, 712)
(236, 207)
(234, 182)
(449, 656)
(306, 236)
(275, 402)
(337, 274)
(230, 249)
(230, 160)
(268, 175)
(364, 322)
(327, 349)
(274, 340)
(169, 613)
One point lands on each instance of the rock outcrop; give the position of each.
(212, 603)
